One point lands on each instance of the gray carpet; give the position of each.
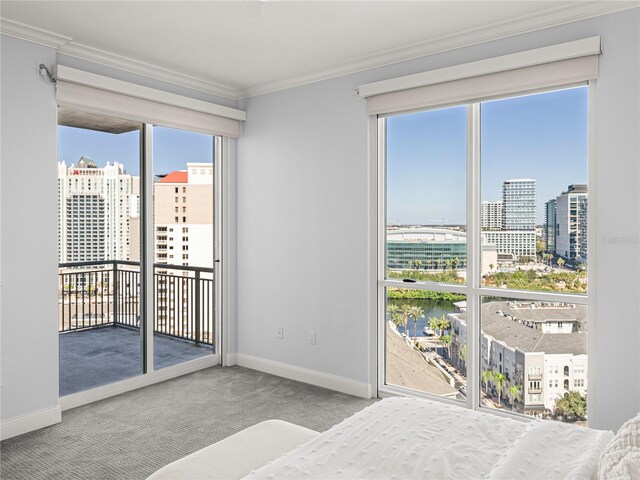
(99, 356)
(132, 435)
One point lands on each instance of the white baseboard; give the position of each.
(32, 421)
(313, 377)
(100, 393)
(231, 360)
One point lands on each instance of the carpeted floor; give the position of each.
(132, 435)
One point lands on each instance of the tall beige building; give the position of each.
(183, 217)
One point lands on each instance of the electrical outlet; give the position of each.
(312, 337)
(280, 332)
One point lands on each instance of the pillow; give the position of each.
(621, 458)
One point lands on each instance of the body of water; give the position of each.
(431, 308)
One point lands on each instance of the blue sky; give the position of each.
(172, 148)
(542, 136)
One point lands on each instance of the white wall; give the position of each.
(29, 236)
(303, 219)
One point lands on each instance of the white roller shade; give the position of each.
(110, 97)
(565, 64)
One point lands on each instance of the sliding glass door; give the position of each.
(183, 245)
(138, 243)
(99, 165)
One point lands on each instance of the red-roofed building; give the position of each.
(183, 217)
(181, 176)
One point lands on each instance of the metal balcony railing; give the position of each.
(100, 293)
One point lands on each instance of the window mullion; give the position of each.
(473, 255)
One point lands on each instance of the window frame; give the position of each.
(472, 289)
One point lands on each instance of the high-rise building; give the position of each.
(571, 222)
(583, 210)
(549, 233)
(94, 206)
(183, 217)
(491, 215)
(519, 204)
(510, 224)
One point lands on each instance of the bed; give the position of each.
(403, 438)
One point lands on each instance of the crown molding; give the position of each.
(32, 34)
(496, 31)
(550, 18)
(138, 67)
(67, 46)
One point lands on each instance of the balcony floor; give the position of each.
(99, 356)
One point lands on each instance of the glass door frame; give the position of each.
(148, 253)
(148, 375)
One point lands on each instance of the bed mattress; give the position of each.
(404, 438)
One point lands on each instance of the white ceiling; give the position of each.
(242, 48)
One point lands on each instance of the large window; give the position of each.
(483, 237)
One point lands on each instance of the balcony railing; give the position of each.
(100, 293)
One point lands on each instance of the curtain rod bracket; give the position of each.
(44, 72)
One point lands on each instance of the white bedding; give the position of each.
(403, 438)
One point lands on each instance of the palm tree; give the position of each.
(443, 324)
(393, 309)
(446, 342)
(416, 313)
(513, 392)
(487, 376)
(560, 262)
(405, 312)
(455, 262)
(490, 266)
(499, 379)
(418, 264)
(462, 356)
(394, 313)
(434, 323)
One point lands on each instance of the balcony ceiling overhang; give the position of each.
(236, 49)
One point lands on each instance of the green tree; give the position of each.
(433, 323)
(394, 313)
(499, 379)
(560, 262)
(490, 266)
(416, 313)
(455, 262)
(419, 264)
(462, 357)
(443, 324)
(410, 264)
(487, 376)
(405, 312)
(514, 392)
(445, 340)
(572, 404)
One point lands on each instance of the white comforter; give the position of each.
(402, 438)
